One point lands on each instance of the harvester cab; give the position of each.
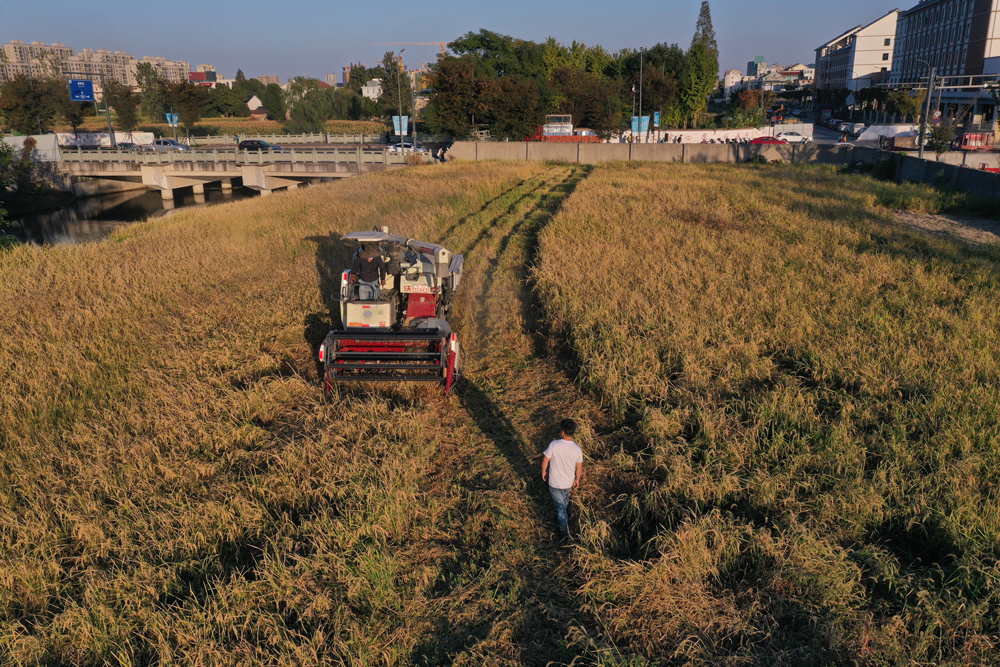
(398, 331)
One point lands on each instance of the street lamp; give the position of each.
(399, 92)
(927, 106)
(641, 51)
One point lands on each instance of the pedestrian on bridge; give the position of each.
(562, 468)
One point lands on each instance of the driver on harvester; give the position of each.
(369, 271)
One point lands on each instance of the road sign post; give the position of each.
(82, 90)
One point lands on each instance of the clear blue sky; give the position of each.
(315, 37)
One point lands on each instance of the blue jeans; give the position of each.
(561, 498)
(369, 291)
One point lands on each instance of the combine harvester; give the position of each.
(401, 335)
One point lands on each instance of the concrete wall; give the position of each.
(948, 171)
(707, 152)
(594, 153)
(500, 150)
(556, 152)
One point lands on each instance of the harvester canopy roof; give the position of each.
(374, 237)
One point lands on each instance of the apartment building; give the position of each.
(858, 58)
(956, 37)
(40, 59)
(267, 80)
(171, 70)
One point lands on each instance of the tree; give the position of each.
(593, 100)
(125, 103)
(311, 111)
(457, 97)
(227, 102)
(72, 112)
(395, 85)
(188, 99)
(152, 93)
(939, 137)
(905, 104)
(273, 98)
(701, 71)
(29, 105)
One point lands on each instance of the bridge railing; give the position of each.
(312, 155)
(290, 139)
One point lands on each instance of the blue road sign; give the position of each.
(81, 90)
(656, 119)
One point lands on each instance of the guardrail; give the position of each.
(216, 155)
(280, 139)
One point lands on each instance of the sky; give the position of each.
(315, 37)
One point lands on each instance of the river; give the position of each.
(93, 218)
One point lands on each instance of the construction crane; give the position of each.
(441, 44)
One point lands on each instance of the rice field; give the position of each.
(789, 408)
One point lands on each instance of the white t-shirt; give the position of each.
(565, 454)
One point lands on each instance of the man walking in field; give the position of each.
(562, 468)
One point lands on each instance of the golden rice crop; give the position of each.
(811, 403)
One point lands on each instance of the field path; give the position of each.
(521, 608)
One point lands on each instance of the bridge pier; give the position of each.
(198, 188)
(167, 194)
(264, 193)
(227, 185)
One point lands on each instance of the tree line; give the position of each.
(34, 105)
(508, 85)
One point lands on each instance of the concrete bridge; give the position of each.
(265, 171)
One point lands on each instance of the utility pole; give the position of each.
(927, 110)
(634, 123)
(107, 111)
(641, 50)
(413, 112)
(399, 92)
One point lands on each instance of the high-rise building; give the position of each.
(267, 80)
(756, 66)
(959, 39)
(956, 37)
(859, 57)
(331, 79)
(171, 70)
(40, 59)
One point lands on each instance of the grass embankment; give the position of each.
(815, 398)
(791, 461)
(217, 126)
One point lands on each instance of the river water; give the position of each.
(93, 218)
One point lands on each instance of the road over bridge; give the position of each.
(265, 171)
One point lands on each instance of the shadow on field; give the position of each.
(332, 257)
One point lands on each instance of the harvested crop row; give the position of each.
(817, 410)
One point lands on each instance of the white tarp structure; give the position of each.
(102, 138)
(873, 132)
(46, 146)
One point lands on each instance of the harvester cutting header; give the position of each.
(395, 301)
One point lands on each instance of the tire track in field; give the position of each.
(489, 450)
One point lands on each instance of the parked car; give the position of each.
(128, 146)
(166, 145)
(842, 127)
(768, 140)
(856, 129)
(407, 148)
(260, 145)
(794, 137)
